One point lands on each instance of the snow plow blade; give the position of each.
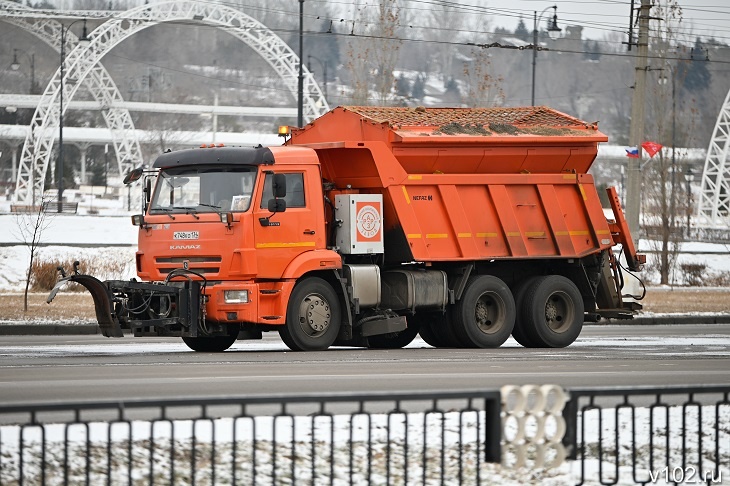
(108, 323)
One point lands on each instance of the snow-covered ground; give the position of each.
(66, 238)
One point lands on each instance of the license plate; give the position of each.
(185, 235)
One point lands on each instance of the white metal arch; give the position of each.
(82, 60)
(101, 86)
(714, 205)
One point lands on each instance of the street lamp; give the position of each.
(689, 176)
(324, 69)
(553, 32)
(83, 41)
(16, 65)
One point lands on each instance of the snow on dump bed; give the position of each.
(492, 119)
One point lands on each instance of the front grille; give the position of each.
(196, 259)
(202, 264)
(165, 271)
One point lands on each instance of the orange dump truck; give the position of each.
(371, 225)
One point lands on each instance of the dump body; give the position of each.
(466, 184)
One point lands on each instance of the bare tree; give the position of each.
(373, 53)
(483, 88)
(32, 221)
(662, 187)
(358, 56)
(444, 22)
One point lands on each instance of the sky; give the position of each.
(705, 18)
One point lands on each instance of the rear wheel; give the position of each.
(395, 340)
(312, 317)
(426, 333)
(485, 315)
(211, 344)
(553, 312)
(519, 332)
(437, 329)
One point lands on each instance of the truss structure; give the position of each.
(83, 65)
(714, 205)
(99, 83)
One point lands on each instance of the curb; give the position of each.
(75, 329)
(671, 319)
(48, 329)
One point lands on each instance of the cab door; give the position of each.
(281, 237)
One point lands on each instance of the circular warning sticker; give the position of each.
(368, 221)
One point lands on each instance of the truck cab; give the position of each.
(246, 221)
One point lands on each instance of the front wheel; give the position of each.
(553, 312)
(485, 315)
(211, 344)
(312, 317)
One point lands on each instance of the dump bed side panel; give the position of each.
(474, 217)
(499, 157)
(462, 140)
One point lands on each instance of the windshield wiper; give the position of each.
(209, 206)
(167, 211)
(190, 210)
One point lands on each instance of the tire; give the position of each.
(437, 330)
(553, 312)
(395, 340)
(427, 334)
(485, 315)
(312, 316)
(519, 332)
(212, 344)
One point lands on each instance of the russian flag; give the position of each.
(632, 152)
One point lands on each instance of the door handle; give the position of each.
(308, 232)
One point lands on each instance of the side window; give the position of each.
(294, 190)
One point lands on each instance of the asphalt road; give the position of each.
(81, 368)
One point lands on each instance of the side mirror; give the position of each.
(277, 205)
(148, 190)
(147, 194)
(133, 175)
(279, 186)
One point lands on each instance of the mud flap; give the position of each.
(108, 323)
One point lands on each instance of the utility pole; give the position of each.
(636, 134)
(300, 90)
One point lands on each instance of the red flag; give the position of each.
(651, 148)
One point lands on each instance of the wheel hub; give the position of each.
(558, 312)
(314, 315)
(482, 312)
(488, 314)
(551, 311)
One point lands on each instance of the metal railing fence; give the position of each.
(432, 438)
(665, 435)
(519, 435)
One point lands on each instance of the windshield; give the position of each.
(204, 190)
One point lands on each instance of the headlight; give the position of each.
(235, 296)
